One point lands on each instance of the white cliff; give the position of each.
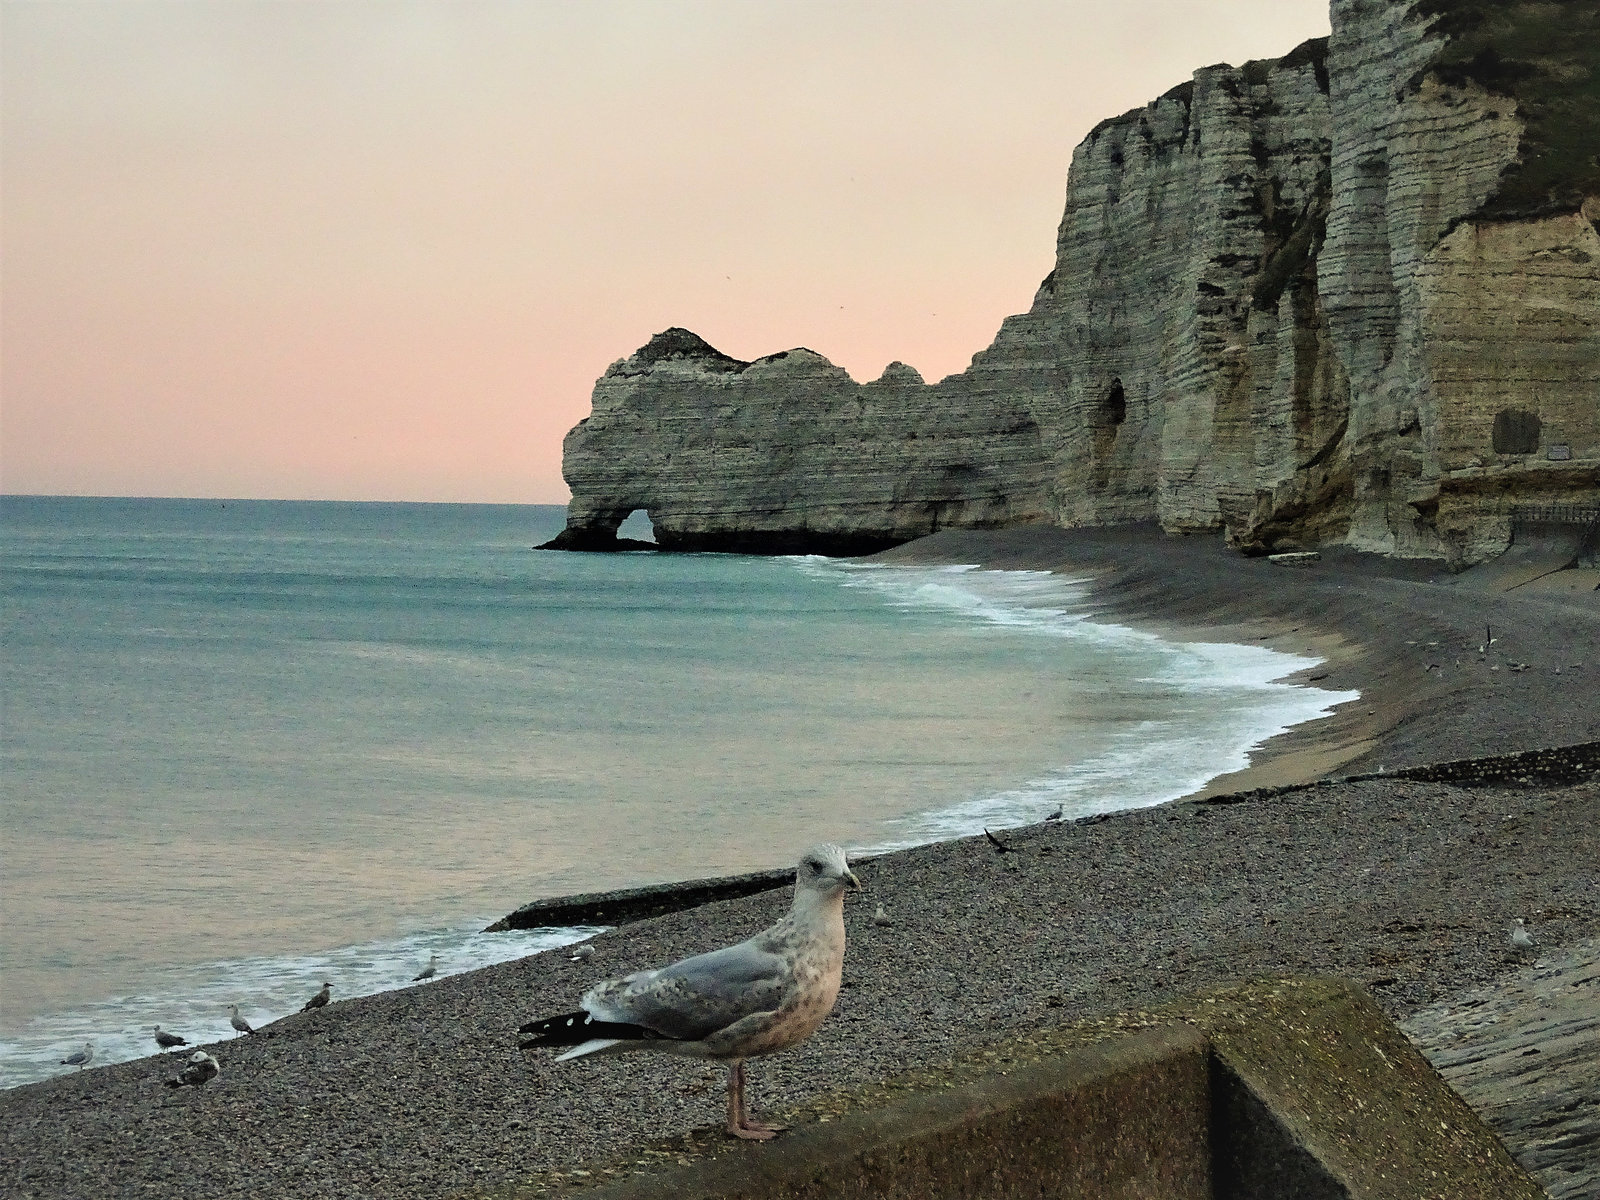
(1352, 295)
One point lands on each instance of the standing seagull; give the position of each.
(81, 1058)
(1519, 936)
(320, 999)
(201, 1068)
(427, 971)
(238, 1022)
(762, 995)
(169, 1041)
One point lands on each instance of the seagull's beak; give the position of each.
(851, 881)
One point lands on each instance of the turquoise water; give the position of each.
(250, 745)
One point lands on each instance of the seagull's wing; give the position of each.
(695, 998)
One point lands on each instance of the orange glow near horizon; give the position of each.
(363, 249)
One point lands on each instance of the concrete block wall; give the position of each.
(1290, 1087)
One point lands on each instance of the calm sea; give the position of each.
(249, 745)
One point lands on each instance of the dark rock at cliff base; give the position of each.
(595, 540)
(842, 544)
(732, 541)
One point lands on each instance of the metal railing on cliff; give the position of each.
(1555, 514)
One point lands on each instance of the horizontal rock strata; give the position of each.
(1351, 295)
(788, 454)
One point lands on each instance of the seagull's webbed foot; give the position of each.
(754, 1131)
(739, 1124)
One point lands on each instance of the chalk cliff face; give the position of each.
(788, 454)
(1191, 365)
(1460, 271)
(1352, 295)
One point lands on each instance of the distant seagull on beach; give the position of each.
(237, 1021)
(1055, 816)
(582, 952)
(882, 918)
(169, 1041)
(320, 999)
(427, 972)
(201, 1068)
(999, 846)
(81, 1059)
(762, 995)
(1519, 935)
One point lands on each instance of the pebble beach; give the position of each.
(1406, 887)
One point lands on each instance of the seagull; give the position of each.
(762, 995)
(237, 1021)
(81, 1058)
(169, 1041)
(201, 1068)
(999, 846)
(1055, 816)
(882, 918)
(1519, 936)
(582, 952)
(319, 999)
(427, 971)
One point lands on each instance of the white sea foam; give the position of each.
(1227, 699)
(265, 989)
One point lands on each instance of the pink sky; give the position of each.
(381, 250)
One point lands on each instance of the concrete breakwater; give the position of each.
(1523, 1054)
(1273, 1088)
(1550, 765)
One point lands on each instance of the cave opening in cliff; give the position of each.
(1108, 416)
(1116, 404)
(1515, 431)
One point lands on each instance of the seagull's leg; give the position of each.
(736, 1099)
(739, 1123)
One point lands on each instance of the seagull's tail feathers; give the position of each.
(584, 1034)
(592, 1046)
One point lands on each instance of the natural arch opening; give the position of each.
(637, 527)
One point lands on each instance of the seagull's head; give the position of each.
(824, 869)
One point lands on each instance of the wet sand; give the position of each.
(1404, 886)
